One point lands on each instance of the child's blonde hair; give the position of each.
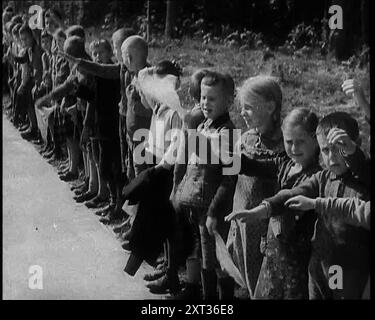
(265, 87)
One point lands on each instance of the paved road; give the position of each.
(42, 225)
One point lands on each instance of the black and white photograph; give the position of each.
(212, 152)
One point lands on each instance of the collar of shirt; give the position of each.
(273, 138)
(213, 124)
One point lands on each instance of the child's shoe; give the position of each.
(28, 135)
(126, 246)
(48, 154)
(156, 274)
(167, 283)
(80, 191)
(123, 227)
(112, 216)
(103, 212)
(69, 176)
(125, 236)
(95, 202)
(24, 127)
(84, 197)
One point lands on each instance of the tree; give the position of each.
(170, 18)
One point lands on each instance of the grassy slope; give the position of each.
(308, 81)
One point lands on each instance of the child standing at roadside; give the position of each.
(287, 247)
(260, 99)
(335, 242)
(202, 192)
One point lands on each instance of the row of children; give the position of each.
(98, 108)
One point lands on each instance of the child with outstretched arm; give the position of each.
(353, 211)
(353, 87)
(335, 242)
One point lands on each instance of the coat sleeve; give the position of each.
(310, 188)
(182, 159)
(175, 136)
(38, 65)
(62, 73)
(107, 71)
(352, 210)
(223, 197)
(137, 188)
(66, 88)
(360, 166)
(267, 168)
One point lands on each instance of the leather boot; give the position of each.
(154, 275)
(167, 283)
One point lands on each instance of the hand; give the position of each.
(41, 102)
(342, 140)
(259, 212)
(352, 87)
(211, 224)
(300, 203)
(144, 100)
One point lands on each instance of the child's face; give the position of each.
(213, 101)
(26, 40)
(101, 55)
(46, 44)
(331, 156)
(256, 112)
(300, 145)
(50, 25)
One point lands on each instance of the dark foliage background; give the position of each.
(289, 39)
(277, 21)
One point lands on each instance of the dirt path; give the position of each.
(42, 225)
